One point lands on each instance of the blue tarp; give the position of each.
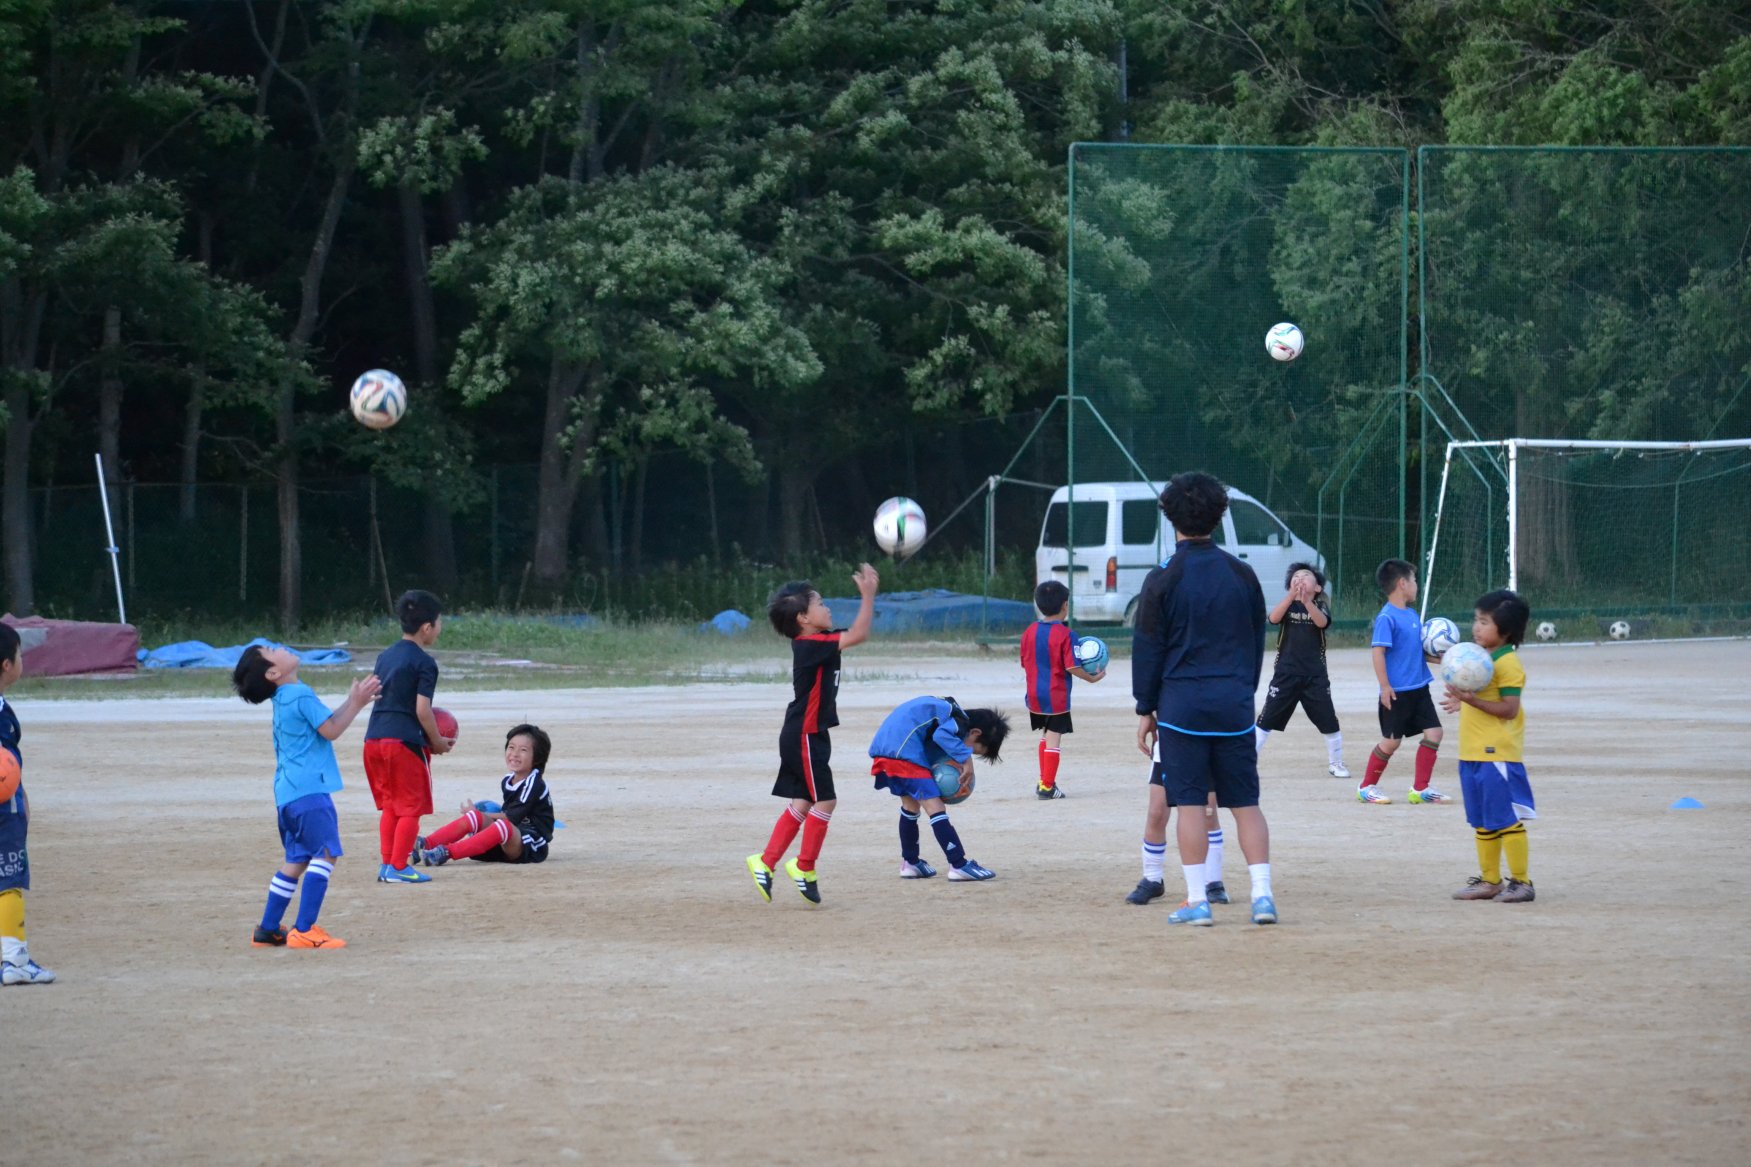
(937, 610)
(729, 622)
(195, 654)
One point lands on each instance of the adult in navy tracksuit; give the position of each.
(1196, 656)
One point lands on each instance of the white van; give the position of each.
(1121, 534)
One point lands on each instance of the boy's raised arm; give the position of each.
(362, 692)
(868, 582)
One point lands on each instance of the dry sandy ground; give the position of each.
(634, 1001)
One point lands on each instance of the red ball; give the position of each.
(10, 774)
(446, 722)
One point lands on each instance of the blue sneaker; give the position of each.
(970, 871)
(1189, 913)
(916, 869)
(434, 856)
(1264, 910)
(418, 855)
(402, 875)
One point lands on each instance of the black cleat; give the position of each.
(1216, 893)
(1146, 890)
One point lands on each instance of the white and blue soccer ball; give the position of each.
(1284, 342)
(899, 526)
(1467, 667)
(1439, 635)
(378, 399)
(1091, 654)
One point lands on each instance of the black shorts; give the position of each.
(1412, 712)
(1192, 766)
(534, 850)
(803, 771)
(1311, 693)
(1050, 722)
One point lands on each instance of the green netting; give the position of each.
(1181, 259)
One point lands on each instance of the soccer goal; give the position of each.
(1612, 529)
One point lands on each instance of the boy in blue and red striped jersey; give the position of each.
(1048, 657)
(804, 749)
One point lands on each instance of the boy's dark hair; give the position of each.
(1194, 503)
(1508, 611)
(993, 727)
(250, 677)
(1390, 572)
(787, 606)
(416, 609)
(10, 643)
(1051, 597)
(1318, 575)
(543, 744)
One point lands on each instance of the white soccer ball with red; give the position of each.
(1284, 341)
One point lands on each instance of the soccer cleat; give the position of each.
(28, 973)
(1190, 913)
(401, 875)
(970, 872)
(1516, 892)
(1146, 890)
(762, 876)
(1264, 910)
(313, 937)
(1370, 794)
(418, 855)
(1215, 893)
(1047, 793)
(804, 880)
(1431, 796)
(1478, 888)
(916, 869)
(434, 856)
(268, 937)
(1338, 770)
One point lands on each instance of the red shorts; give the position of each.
(401, 780)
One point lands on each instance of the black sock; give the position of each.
(951, 842)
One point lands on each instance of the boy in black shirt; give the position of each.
(1300, 678)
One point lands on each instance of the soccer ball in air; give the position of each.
(899, 526)
(1547, 631)
(1620, 630)
(378, 399)
(1467, 667)
(1284, 341)
(949, 782)
(1091, 655)
(1439, 635)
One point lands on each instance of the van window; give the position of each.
(1091, 524)
(1254, 524)
(1139, 521)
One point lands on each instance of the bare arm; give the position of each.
(435, 741)
(1386, 693)
(1505, 708)
(1318, 615)
(1282, 609)
(362, 693)
(868, 583)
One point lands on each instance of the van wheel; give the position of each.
(1130, 620)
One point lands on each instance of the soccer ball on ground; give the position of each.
(1620, 630)
(378, 399)
(949, 782)
(1091, 654)
(1467, 667)
(899, 526)
(1547, 631)
(1439, 635)
(1284, 341)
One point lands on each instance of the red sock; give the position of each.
(1376, 767)
(479, 843)
(455, 831)
(1426, 754)
(783, 832)
(1049, 759)
(386, 835)
(407, 829)
(814, 834)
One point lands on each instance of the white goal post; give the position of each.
(1503, 463)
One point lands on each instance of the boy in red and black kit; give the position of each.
(804, 749)
(403, 735)
(1048, 660)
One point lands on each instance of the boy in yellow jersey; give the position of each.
(1492, 770)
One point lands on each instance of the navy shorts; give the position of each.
(1192, 765)
(1050, 722)
(1412, 713)
(309, 828)
(803, 771)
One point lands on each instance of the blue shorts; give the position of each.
(14, 859)
(309, 828)
(918, 788)
(1192, 765)
(1497, 794)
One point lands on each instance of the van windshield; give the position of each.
(1091, 524)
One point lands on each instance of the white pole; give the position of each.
(115, 563)
(1514, 514)
(1435, 535)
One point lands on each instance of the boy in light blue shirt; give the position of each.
(1406, 706)
(306, 775)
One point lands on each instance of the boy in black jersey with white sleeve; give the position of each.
(804, 749)
(521, 829)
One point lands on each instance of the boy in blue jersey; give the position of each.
(1198, 649)
(306, 776)
(1406, 706)
(911, 740)
(16, 965)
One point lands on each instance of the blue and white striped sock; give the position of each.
(280, 892)
(1213, 861)
(315, 887)
(1154, 860)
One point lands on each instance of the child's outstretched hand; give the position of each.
(866, 579)
(365, 689)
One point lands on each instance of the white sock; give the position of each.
(1154, 859)
(1334, 748)
(1213, 861)
(13, 950)
(1261, 879)
(1259, 735)
(1194, 873)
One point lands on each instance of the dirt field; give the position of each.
(635, 1002)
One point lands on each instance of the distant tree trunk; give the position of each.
(109, 403)
(440, 533)
(197, 397)
(21, 320)
(635, 536)
(561, 471)
(794, 482)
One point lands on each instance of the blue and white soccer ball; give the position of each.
(1439, 635)
(378, 399)
(949, 783)
(1467, 667)
(1091, 654)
